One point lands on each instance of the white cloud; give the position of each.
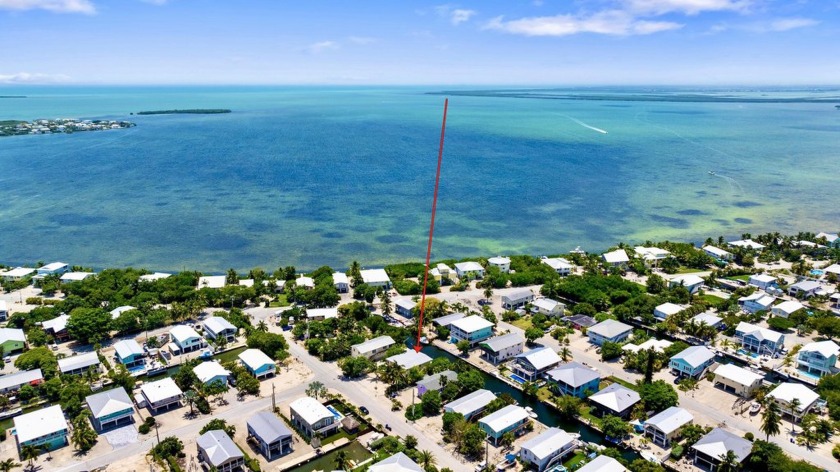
(32, 78)
(361, 40)
(688, 7)
(787, 24)
(56, 6)
(322, 46)
(456, 16)
(156, 2)
(773, 26)
(610, 22)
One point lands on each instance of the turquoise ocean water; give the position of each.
(312, 176)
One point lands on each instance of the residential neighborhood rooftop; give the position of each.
(39, 423)
(616, 397)
(409, 359)
(218, 446)
(160, 390)
(504, 341)
(719, 441)
(540, 357)
(501, 419)
(471, 323)
(788, 391)
(670, 419)
(79, 361)
(549, 441)
(471, 402)
(310, 409)
(109, 402)
(610, 328)
(573, 374)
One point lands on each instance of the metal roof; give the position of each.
(504, 341)
(217, 324)
(399, 462)
(109, 402)
(374, 344)
(218, 447)
(695, 356)
(547, 443)
(501, 419)
(719, 441)
(470, 403)
(79, 361)
(616, 397)
(268, 427)
(610, 328)
(310, 409)
(127, 347)
(39, 423)
(573, 374)
(671, 419)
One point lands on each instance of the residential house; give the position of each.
(787, 308)
(472, 328)
(560, 265)
(341, 282)
(617, 258)
(44, 428)
(764, 281)
(758, 301)
(410, 359)
(470, 405)
(533, 364)
(54, 268)
(212, 281)
(835, 300)
(129, 353)
(446, 321)
(658, 345)
(154, 277)
(209, 372)
(321, 314)
(603, 464)
(692, 282)
(304, 282)
(510, 419)
(757, 339)
(580, 321)
(11, 383)
(12, 340)
(717, 253)
(832, 239)
(311, 417)
(517, 298)
(573, 378)
(257, 363)
(376, 278)
(832, 269)
(4, 311)
(18, 273)
(216, 327)
(664, 427)
(70, 277)
(547, 449)
(818, 358)
(272, 436)
(737, 380)
(57, 327)
(501, 263)
(747, 244)
(469, 270)
(692, 361)
(707, 319)
(116, 312)
(110, 408)
(435, 382)
(445, 271)
(501, 348)
(805, 289)
(161, 395)
(666, 309)
(548, 307)
(609, 330)
(615, 399)
(398, 462)
(784, 395)
(373, 348)
(79, 363)
(651, 255)
(185, 339)
(217, 451)
(404, 307)
(711, 448)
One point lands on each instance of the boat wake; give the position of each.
(586, 125)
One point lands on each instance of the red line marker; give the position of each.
(417, 345)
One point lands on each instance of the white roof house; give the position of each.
(757, 301)
(181, 334)
(833, 268)
(56, 324)
(670, 420)
(610, 328)
(503, 341)
(667, 309)
(78, 362)
(160, 390)
(824, 348)
(616, 257)
(12, 334)
(254, 359)
(448, 319)
(717, 252)
(471, 403)
(762, 280)
(759, 332)
(127, 348)
(399, 462)
(375, 277)
(39, 423)
(372, 345)
(305, 282)
(603, 464)
(658, 345)
(651, 253)
(310, 410)
(246, 282)
(504, 418)
(469, 266)
(216, 325)
(405, 305)
(706, 318)
(471, 324)
(560, 265)
(212, 281)
(52, 267)
(209, 370)
(116, 312)
(503, 263)
(695, 356)
(747, 243)
(807, 287)
(616, 398)
(17, 273)
(690, 281)
(219, 449)
(786, 308)
(75, 276)
(719, 441)
(540, 358)
(548, 443)
(14, 381)
(322, 313)
(340, 278)
(409, 359)
(830, 237)
(155, 276)
(737, 379)
(109, 402)
(548, 306)
(573, 374)
(785, 393)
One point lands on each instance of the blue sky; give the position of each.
(570, 42)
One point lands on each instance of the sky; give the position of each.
(373, 42)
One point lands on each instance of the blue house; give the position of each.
(404, 307)
(510, 418)
(692, 361)
(45, 428)
(757, 339)
(257, 363)
(574, 379)
(129, 353)
(473, 328)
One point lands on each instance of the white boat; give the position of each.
(531, 412)
(755, 407)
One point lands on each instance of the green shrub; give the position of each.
(414, 412)
(173, 464)
(677, 451)
(749, 436)
(144, 428)
(834, 452)
(3, 435)
(34, 301)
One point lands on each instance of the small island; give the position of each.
(62, 125)
(12, 96)
(193, 111)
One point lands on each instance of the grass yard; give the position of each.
(522, 323)
(744, 278)
(627, 384)
(280, 302)
(544, 394)
(576, 459)
(712, 299)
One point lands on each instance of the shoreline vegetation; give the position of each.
(190, 111)
(63, 125)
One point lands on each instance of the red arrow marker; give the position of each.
(417, 345)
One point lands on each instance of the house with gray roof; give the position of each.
(709, 449)
(273, 438)
(501, 348)
(609, 330)
(129, 353)
(517, 298)
(13, 382)
(404, 307)
(79, 364)
(603, 464)
(692, 361)
(218, 451)
(373, 349)
(616, 399)
(435, 381)
(216, 327)
(470, 405)
(533, 364)
(804, 289)
(547, 449)
(665, 426)
(447, 320)
(399, 462)
(110, 408)
(573, 378)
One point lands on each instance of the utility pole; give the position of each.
(157, 433)
(273, 399)
(486, 453)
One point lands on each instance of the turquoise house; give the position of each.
(574, 379)
(257, 363)
(511, 418)
(45, 428)
(129, 353)
(692, 361)
(472, 328)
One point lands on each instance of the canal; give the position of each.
(546, 414)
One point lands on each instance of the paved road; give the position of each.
(380, 408)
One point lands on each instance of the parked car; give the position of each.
(364, 410)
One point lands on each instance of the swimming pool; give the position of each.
(805, 373)
(747, 353)
(517, 379)
(817, 272)
(338, 416)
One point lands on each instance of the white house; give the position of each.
(469, 270)
(18, 273)
(311, 417)
(410, 359)
(216, 327)
(665, 426)
(758, 301)
(444, 270)
(501, 348)
(805, 289)
(658, 345)
(212, 281)
(4, 310)
(665, 310)
(217, 451)
(341, 282)
(617, 258)
(533, 364)
(154, 277)
(711, 448)
(737, 380)
(547, 448)
(161, 395)
(517, 298)
(717, 253)
(691, 282)
(651, 255)
(786, 308)
(615, 399)
(747, 244)
(603, 464)
(757, 339)
(13, 382)
(832, 238)
(70, 277)
(707, 319)
(372, 348)
(398, 462)
(57, 327)
(471, 404)
(501, 263)
(549, 307)
(321, 314)
(609, 330)
(41, 428)
(560, 265)
(116, 312)
(257, 363)
(110, 408)
(763, 281)
(79, 364)
(509, 419)
(53, 268)
(787, 392)
(186, 339)
(209, 372)
(376, 278)
(404, 307)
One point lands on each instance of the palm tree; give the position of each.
(771, 420)
(342, 460)
(191, 397)
(29, 453)
(261, 326)
(794, 405)
(565, 353)
(728, 462)
(426, 459)
(83, 437)
(9, 464)
(488, 290)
